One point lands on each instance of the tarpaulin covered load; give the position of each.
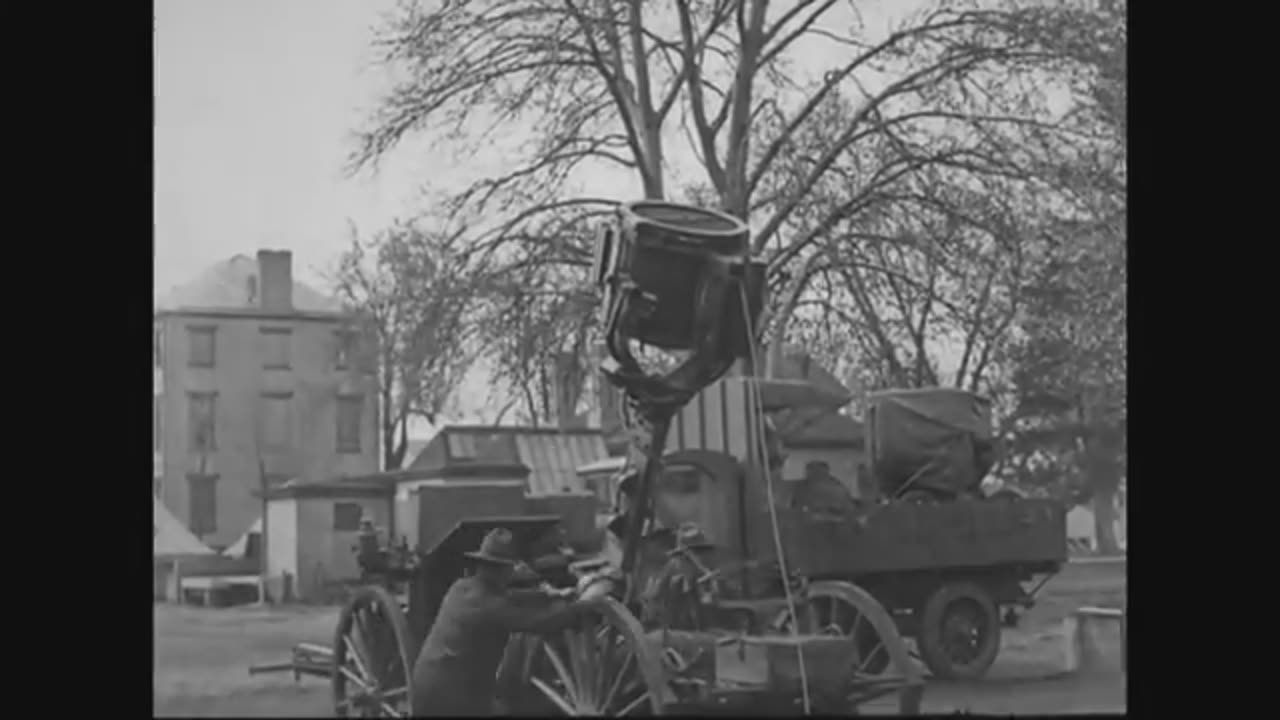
(931, 438)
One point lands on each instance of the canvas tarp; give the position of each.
(171, 537)
(239, 547)
(938, 438)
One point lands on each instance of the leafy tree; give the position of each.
(1068, 430)
(411, 291)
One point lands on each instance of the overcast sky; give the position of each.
(254, 103)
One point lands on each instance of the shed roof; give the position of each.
(551, 454)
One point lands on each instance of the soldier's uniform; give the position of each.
(672, 596)
(455, 673)
(820, 493)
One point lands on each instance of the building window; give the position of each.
(202, 421)
(203, 346)
(346, 516)
(202, 508)
(350, 408)
(344, 346)
(275, 346)
(277, 421)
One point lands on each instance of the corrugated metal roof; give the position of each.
(224, 285)
(554, 459)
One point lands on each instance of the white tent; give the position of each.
(238, 547)
(171, 537)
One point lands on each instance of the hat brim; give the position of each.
(491, 559)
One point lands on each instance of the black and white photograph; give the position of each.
(640, 357)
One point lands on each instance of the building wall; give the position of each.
(325, 555)
(239, 378)
(282, 544)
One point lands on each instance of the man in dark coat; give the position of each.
(820, 493)
(455, 673)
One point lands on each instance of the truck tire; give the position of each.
(959, 632)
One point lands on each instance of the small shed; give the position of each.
(312, 533)
(551, 455)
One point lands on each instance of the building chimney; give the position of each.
(275, 280)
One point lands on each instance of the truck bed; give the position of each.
(905, 537)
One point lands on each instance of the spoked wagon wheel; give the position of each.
(882, 667)
(373, 656)
(602, 667)
(959, 633)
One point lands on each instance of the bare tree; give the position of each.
(613, 82)
(411, 292)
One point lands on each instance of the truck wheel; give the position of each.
(959, 632)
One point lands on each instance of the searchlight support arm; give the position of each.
(673, 278)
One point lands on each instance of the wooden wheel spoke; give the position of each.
(583, 669)
(370, 644)
(618, 680)
(355, 679)
(566, 678)
(604, 646)
(634, 704)
(874, 651)
(371, 641)
(357, 656)
(878, 664)
(565, 706)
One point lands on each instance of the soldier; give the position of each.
(455, 673)
(673, 596)
(820, 493)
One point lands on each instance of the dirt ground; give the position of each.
(202, 658)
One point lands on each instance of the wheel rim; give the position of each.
(600, 667)
(959, 632)
(372, 658)
(882, 669)
(964, 631)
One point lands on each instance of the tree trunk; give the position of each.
(1104, 518)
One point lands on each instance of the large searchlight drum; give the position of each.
(675, 278)
(659, 263)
